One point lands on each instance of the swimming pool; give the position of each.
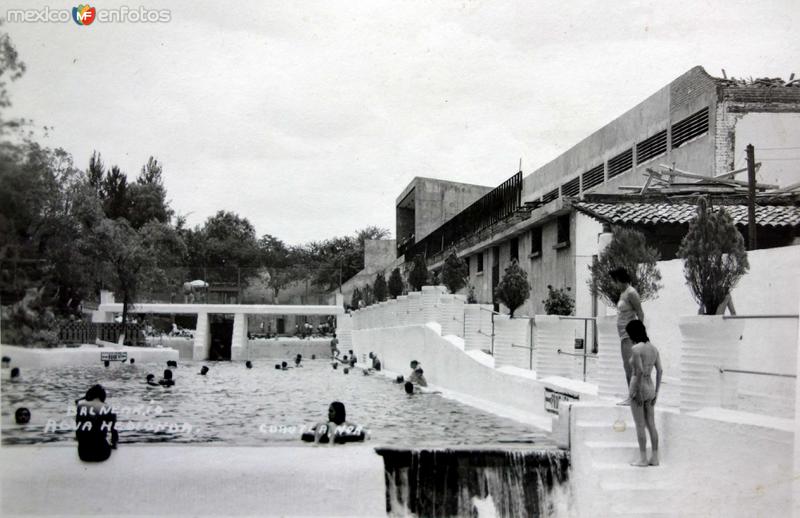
(237, 406)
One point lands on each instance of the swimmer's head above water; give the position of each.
(337, 413)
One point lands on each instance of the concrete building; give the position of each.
(696, 123)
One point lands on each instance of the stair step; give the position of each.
(613, 451)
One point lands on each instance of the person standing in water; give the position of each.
(629, 308)
(643, 392)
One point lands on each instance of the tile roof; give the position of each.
(640, 213)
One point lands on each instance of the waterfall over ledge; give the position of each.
(461, 481)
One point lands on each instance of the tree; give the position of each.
(11, 69)
(714, 257)
(340, 258)
(114, 193)
(224, 248)
(379, 287)
(418, 276)
(628, 249)
(356, 298)
(454, 272)
(128, 261)
(513, 289)
(395, 284)
(148, 197)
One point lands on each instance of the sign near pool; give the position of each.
(114, 356)
(553, 397)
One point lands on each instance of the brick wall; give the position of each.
(689, 87)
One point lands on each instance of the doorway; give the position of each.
(221, 327)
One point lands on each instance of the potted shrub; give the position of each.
(513, 290)
(379, 288)
(714, 259)
(418, 276)
(627, 249)
(559, 301)
(454, 273)
(395, 284)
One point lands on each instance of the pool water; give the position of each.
(234, 405)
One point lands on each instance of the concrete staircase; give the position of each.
(607, 435)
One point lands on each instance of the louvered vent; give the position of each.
(691, 127)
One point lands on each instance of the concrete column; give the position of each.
(796, 477)
(391, 312)
(709, 342)
(202, 338)
(552, 334)
(610, 372)
(478, 327)
(414, 308)
(402, 310)
(451, 311)
(344, 332)
(512, 336)
(239, 343)
(430, 303)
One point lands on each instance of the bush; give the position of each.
(379, 288)
(559, 302)
(513, 289)
(395, 284)
(454, 273)
(418, 276)
(628, 249)
(356, 298)
(714, 257)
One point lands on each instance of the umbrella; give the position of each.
(199, 284)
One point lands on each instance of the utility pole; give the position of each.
(751, 197)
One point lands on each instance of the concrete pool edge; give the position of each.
(195, 480)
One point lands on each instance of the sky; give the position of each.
(309, 118)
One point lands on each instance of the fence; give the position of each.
(81, 332)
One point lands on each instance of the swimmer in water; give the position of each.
(248, 364)
(167, 380)
(298, 359)
(22, 415)
(203, 370)
(107, 363)
(151, 380)
(172, 363)
(15, 374)
(409, 387)
(337, 422)
(284, 366)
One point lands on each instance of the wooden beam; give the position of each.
(737, 171)
(686, 174)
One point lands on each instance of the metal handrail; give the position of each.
(732, 317)
(570, 317)
(592, 356)
(521, 346)
(760, 373)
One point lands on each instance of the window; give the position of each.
(563, 231)
(692, 126)
(536, 242)
(514, 249)
(651, 147)
(593, 176)
(620, 163)
(479, 265)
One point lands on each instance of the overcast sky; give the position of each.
(309, 118)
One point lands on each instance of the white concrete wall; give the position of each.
(768, 132)
(767, 344)
(511, 342)
(288, 348)
(182, 344)
(469, 376)
(478, 327)
(26, 357)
